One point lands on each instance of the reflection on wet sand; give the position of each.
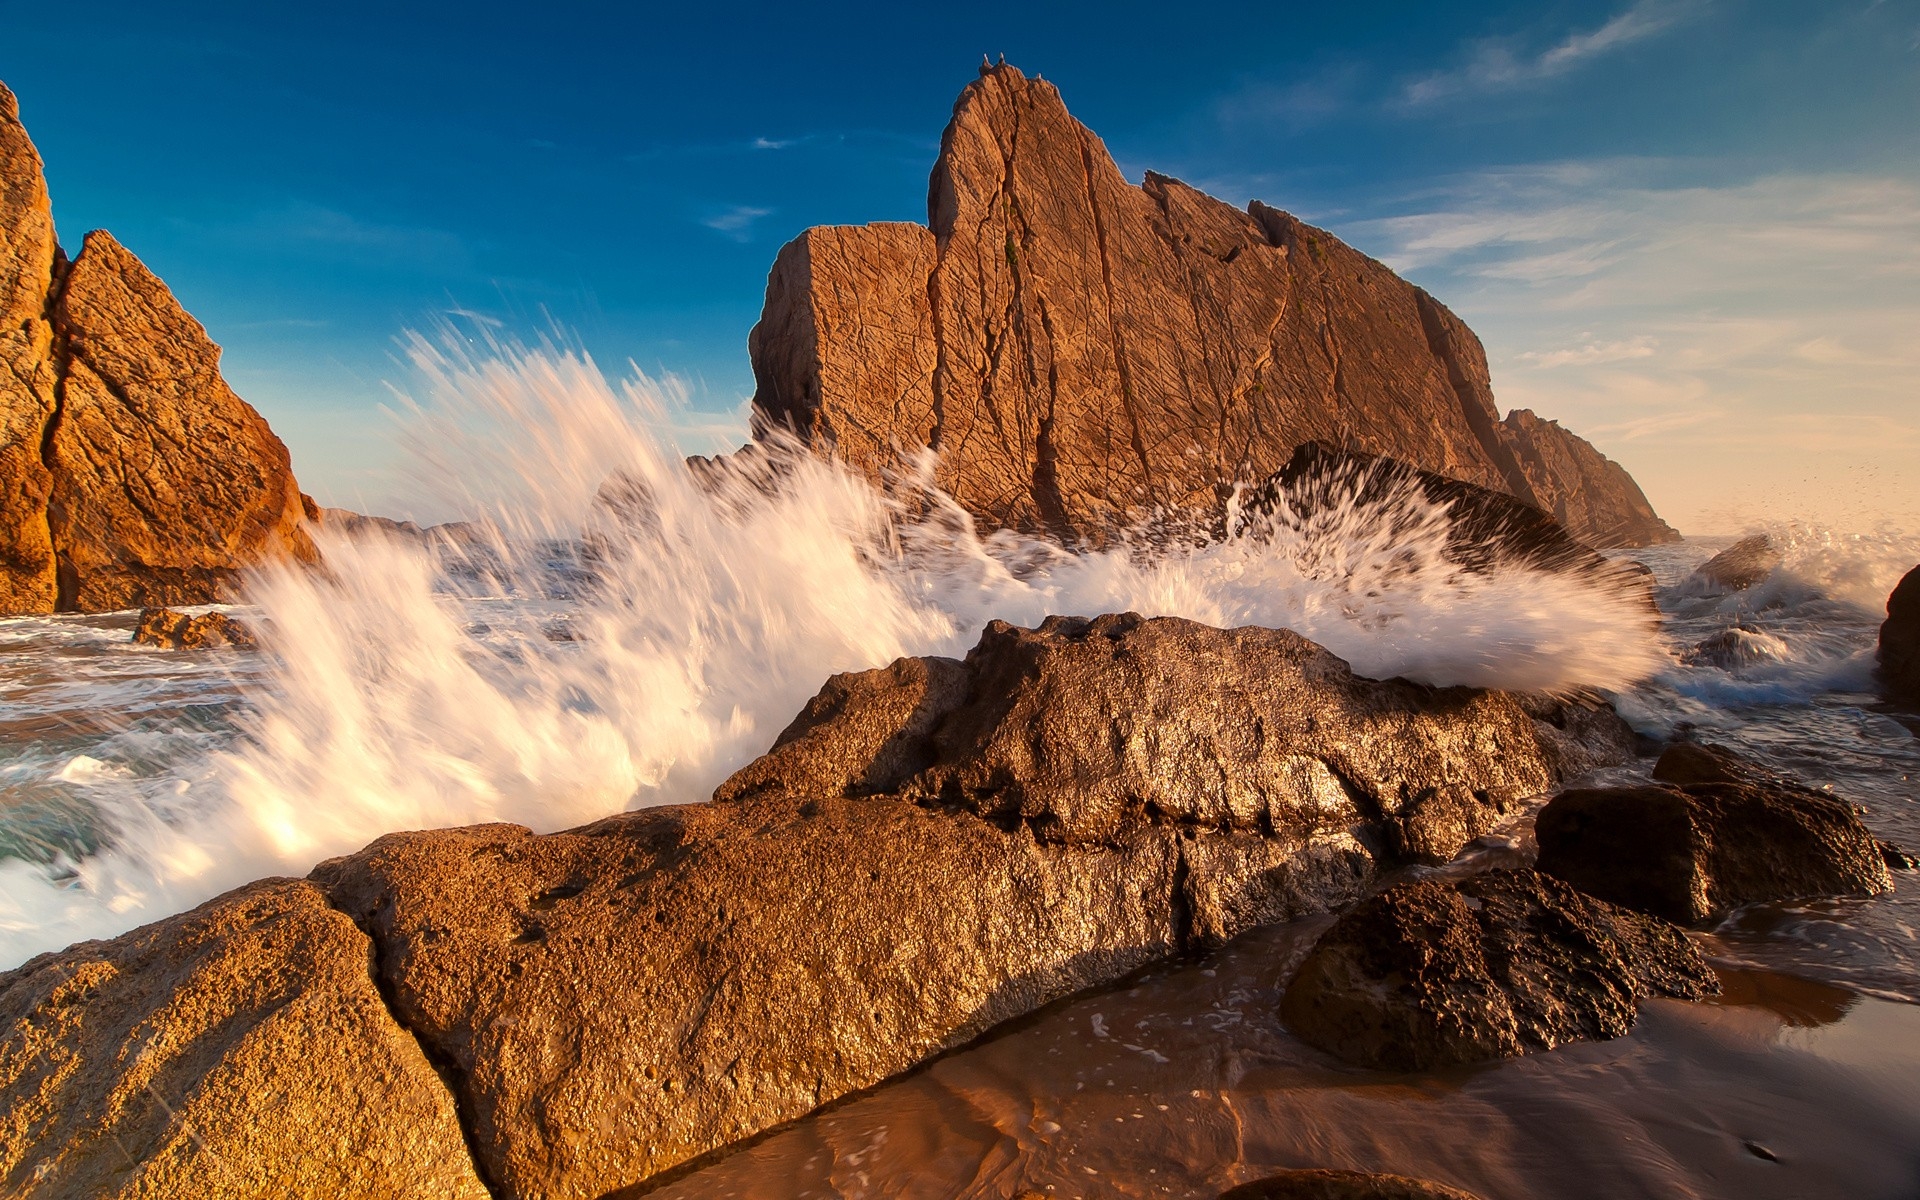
(1182, 1083)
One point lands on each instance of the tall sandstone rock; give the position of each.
(1084, 353)
(130, 474)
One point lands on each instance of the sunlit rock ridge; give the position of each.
(1085, 354)
(130, 473)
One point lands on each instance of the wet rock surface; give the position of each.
(241, 1049)
(1087, 355)
(1343, 1185)
(930, 850)
(1899, 652)
(130, 474)
(170, 630)
(1713, 833)
(1434, 973)
(1739, 566)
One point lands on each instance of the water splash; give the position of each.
(615, 631)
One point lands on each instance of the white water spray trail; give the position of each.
(615, 633)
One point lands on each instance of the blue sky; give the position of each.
(1690, 229)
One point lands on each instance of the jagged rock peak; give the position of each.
(1085, 353)
(130, 474)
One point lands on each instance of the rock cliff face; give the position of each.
(130, 474)
(1083, 352)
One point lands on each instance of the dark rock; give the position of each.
(130, 474)
(1434, 973)
(1082, 727)
(1087, 355)
(172, 630)
(1738, 567)
(241, 1049)
(1729, 834)
(1343, 1185)
(1735, 647)
(1896, 858)
(1900, 641)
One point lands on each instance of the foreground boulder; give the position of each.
(241, 1049)
(1738, 567)
(130, 474)
(1900, 641)
(1343, 1185)
(170, 630)
(1719, 834)
(1080, 728)
(1086, 355)
(930, 849)
(1435, 973)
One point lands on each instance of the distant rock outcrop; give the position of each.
(130, 474)
(1084, 353)
(1900, 641)
(170, 630)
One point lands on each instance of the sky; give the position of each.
(1687, 229)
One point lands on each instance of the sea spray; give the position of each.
(615, 631)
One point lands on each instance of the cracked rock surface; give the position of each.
(130, 474)
(1086, 354)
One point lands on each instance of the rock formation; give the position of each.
(1719, 834)
(1436, 973)
(1084, 353)
(1343, 1185)
(1738, 567)
(170, 630)
(130, 474)
(1899, 651)
(241, 1049)
(929, 849)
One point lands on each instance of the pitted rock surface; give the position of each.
(238, 1050)
(1435, 973)
(1085, 354)
(130, 474)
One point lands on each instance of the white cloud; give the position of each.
(737, 221)
(1590, 352)
(1499, 63)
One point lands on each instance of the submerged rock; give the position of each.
(1738, 567)
(241, 1049)
(1899, 651)
(172, 630)
(1736, 647)
(1723, 834)
(1343, 1185)
(1087, 355)
(1436, 973)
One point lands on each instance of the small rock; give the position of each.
(1735, 647)
(170, 630)
(1730, 833)
(1343, 1185)
(1739, 566)
(1436, 973)
(1900, 641)
(1898, 859)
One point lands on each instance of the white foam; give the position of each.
(405, 691)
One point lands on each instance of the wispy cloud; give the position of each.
(1739, 345)
(1496, 64)
(737, 221)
